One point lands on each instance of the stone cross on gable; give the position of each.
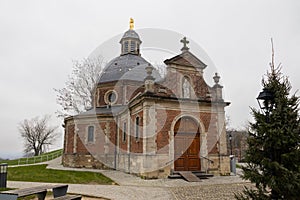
(185, 42)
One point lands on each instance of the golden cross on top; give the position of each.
(185, 42)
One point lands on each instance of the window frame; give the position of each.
(124, 132)
(91, 134)
(126, 46)
(133, 46)
(106, 97)
(137, 129)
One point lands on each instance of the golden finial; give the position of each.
(131, 24)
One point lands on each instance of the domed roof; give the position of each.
(130, 34)
(126, 67)
(130, 65)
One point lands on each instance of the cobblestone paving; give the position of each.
(212, 192)
(132, 187)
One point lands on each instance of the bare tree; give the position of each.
(238, 143)
(37, 134)
(161, 68)
(238, 139)
(76, 96)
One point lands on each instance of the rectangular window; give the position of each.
(137, 129)
(132, 47)
(124, 132)
(91, 134)
(126, 48)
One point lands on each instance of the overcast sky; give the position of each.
(39, 40)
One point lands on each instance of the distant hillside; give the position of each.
(35, 159)
(10, 155)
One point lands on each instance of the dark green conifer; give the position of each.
(273, 156)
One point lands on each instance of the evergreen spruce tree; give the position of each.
(273, 155)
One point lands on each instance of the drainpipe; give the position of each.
(129, 153)
(116, 142)
(129, 143)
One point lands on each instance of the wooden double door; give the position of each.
(187, 145)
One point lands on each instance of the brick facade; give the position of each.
(147, 113)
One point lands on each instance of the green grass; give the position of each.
(36, 159)
(39, 173)
(238, 166)
(4, 189)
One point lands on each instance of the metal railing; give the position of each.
(39, 159)
(207, 164)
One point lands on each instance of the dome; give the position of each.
(130, 65)
(126, 67)
(130, 34)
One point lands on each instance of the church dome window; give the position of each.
(133, 47)
(126, 46)
(110, 97)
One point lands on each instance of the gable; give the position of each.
(186, 59)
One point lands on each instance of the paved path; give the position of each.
(132, 187)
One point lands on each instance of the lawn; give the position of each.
(39, 173)
(35, 159)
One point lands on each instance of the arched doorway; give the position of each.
(187, 145)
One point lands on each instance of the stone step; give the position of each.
(199, 174)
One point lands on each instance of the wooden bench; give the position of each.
(68, 197)
(40, 191)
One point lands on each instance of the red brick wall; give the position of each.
(70, 137)
(97, 147)
(102, 91)
(210, 123)
(81, 149)
(100, 142)
(163, 127)
(132, 89)
(206, 119)
(173, 81)
(113, 136)
(199, 85)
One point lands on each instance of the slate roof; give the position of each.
(113, 110)
(126, 67)
(131, 34)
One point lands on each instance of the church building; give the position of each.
(147, 124)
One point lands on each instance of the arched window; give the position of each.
(91, 134)
(137, 130)
(124, 132)
(186, 88)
